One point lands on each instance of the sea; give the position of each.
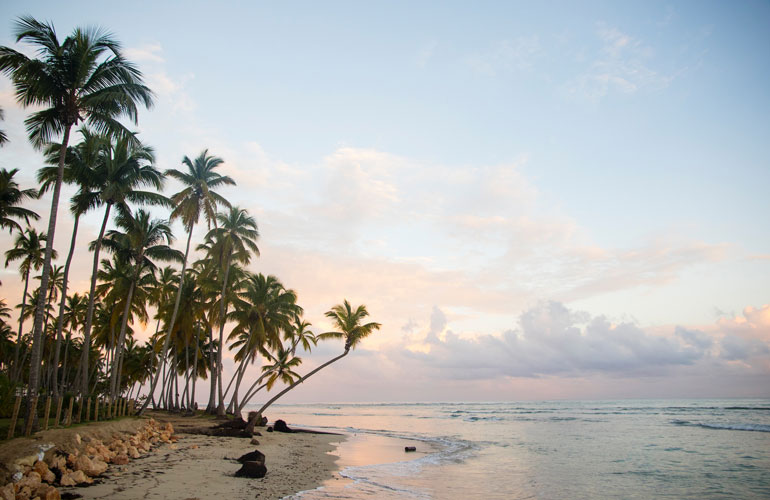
(629, 449)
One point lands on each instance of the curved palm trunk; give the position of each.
(16, 365)
(222, 312)
(91, 300)
(118, 354)
(37, 341)
(195, 368)
(258, 415)
(167, 340)
(60, 321)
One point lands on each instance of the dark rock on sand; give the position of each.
(253, 456)
(261, 423)
(269, 429)
(252, 469)
(410, 448)
(280, 426)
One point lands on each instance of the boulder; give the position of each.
(280, 426)
(133, 452)
(23, 493)
(410, 448)
(252, 470)
(90, 467)
(45, 474)
(32, 480)
(254, 441)
(254, 456)
(75, 478)
(47, 492)
(121, 459)
(7, 492)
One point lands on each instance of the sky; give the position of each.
(537, 200)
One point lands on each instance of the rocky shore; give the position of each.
(164, 457)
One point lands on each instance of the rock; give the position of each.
(280, 426)
(23, 493)
(252, 470)
(269, 429)
(120, 459)
(254, 456)
(45, 474)
(47, 492)
(7, 492)
(173, 446)
(194, 447)
(255, 441)
(90, 467)
(75, 478)
(133, 452)
(28, 461)
(32, 480)
(410, 448)
(78, 439)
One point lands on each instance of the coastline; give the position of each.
(201, 467)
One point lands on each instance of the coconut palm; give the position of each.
(235, 240)
(348, 323)
(262, 312)
(143, 241)
(28, 249)
(11, 197)
(82, 79)
(80, 163)
(74, 314)
(124, 168)
(197, 196)
(3, 137)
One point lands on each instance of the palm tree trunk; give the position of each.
(60, 321)
(16, 365)
(170, 328)
(37, 344)
(91, 300)
(115, 376)
(211, 406)
(258, 416)
(222, 313)
(195, 366)
(64, 365)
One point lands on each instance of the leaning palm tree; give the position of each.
(28, 249)
(83, 78)
(142, 241)
(234, 240)
(197, 196)
(11, 197)
(124, 168)
(348, 323)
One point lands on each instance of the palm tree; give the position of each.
(144, 240)
(3, 137)
(123, 169)
(71, 85)
(80, 163)
(74, 314)
(197, 196)
(234, 240)
(349, 327)
(262, 312)
(27, 248)
(10, 199)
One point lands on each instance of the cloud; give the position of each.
(622, 64)
(150, 52)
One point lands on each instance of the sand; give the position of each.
(203, 467)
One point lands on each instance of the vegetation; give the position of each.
(85, 342)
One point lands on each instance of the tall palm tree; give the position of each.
(348, 323)
(142, 241)
(27, 248)
(74, 314)
(80, 163)
(83, 78)
(11, 197)
(234, 240)
(124, 168)
(197, 196)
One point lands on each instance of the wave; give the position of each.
(729, 426)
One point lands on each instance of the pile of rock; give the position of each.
(38, 475)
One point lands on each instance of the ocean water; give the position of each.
(549, 450)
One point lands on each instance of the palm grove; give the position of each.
(83, 342)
